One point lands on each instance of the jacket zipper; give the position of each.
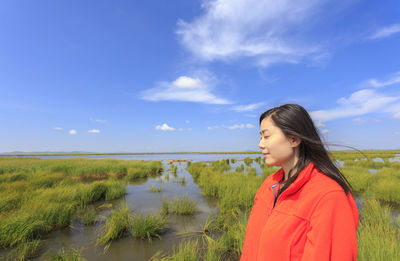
(275, 197)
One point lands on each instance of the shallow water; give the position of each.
(140, 200)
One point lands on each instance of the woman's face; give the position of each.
(276, 147)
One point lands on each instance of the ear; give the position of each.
(294, 141)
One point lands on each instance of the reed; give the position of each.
(24, 251)
(67, 254)
(147, 227)
(248, 161)
(378, 238)
(251, 171)
(155, 189)
(40, 195)
(89, 217)
(116, 225)
(239, 168)
(181, 181)
(180, 205)
(174, 170)
(186, 251)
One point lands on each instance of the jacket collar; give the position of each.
(303, 177)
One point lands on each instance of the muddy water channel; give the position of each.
(140, 200)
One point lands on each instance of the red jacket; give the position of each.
(313, 220)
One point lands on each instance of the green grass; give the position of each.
(156, 189)
(67, 254)
(147, 227)
(116, 225)
(181, 181)
(40, 195)
(24, 251)
(89, 217)
(180, 205)
(139, 226)
(186, 251)
(378, 238)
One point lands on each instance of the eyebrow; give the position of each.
(262, 132)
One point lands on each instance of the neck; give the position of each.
(288, 165)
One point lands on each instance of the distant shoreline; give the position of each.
(158, 153)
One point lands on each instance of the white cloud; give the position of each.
(57, 128)
(94, 131)
(359, 120)
(73, 132)
(319, 124)
(249, 107)
(324, 131)
(183, 89)
(261, 29)
(233, 127)
(392, 79)
(97, 120)
(164, 127)
(184, 129)
(187, 121)
(240, 126)
(386, 31)
(359, 103)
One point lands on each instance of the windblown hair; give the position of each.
(295, 121)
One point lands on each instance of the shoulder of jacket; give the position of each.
(321, 184)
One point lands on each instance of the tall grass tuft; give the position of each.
(24, 251)
(378, 238)
(147, 227)
(67, 254)
(89, 217)
(181, 205)
(116, 225)
(186, 251)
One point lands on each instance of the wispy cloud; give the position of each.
(260, 29)
(57, 128)
(164, 127)
(359, 103)
(390, 80)
(249, 107)
(386, 31)
(94, 131)
(359, 120)
(98, 120)
(184, 129)
(187, 121)
(319, 124)
(73, 132)
(241, 126)
(393, 109)
(232, 127)
(183, 88)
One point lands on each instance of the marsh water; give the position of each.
(141, 201)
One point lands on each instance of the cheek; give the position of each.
(281, 150)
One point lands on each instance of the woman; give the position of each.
(304, 211)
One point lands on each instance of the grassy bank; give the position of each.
(40, 195)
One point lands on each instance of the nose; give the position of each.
(261, 144)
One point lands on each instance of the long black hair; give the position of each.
(295, 121)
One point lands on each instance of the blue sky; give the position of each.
(167, 76)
